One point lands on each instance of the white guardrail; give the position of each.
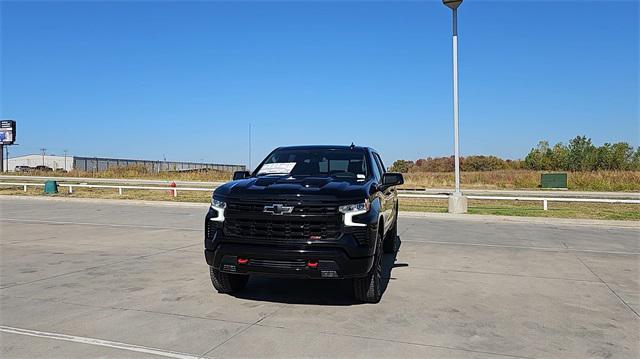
(545, 200)
(128, 181)
(406, 194)
(120, 188)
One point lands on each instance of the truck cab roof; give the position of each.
(325, 147)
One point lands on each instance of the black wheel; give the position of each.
(391, 242)
(227, 283)
(369, 288)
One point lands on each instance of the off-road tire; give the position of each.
(227, 283)
(369, 288)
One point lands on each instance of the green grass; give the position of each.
(626, 212)
(617, 211)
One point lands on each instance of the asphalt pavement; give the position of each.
(113, 279)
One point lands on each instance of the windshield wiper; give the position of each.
(273, 174)
(344, 175)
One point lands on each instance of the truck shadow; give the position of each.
(337, 292)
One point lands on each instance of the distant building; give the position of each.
(53, 162)
(98, 164)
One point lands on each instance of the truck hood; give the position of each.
(287, 187)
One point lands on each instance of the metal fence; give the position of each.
(97, 164)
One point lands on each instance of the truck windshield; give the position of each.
(348, 163)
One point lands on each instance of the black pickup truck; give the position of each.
(326, 212)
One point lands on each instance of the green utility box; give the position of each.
(553, 180)
(51, 187)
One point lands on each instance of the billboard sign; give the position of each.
(7, 132)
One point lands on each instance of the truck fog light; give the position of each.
(329, 274)
(229, 268)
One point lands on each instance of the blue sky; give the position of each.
(185, 79)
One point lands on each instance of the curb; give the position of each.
(521, 219)
(135, 202)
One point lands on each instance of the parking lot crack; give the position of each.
(257, 322)
(130, 309)
(609, 287)
(576, 255)
(427, 345)
(99, 266)
(506, 274)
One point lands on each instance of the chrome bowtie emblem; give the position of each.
(278, 209)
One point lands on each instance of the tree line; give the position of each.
(579, 154)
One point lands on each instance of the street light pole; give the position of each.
(457, 202)
(456, 141)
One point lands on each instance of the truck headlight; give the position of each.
(217, 204)
(348, 208)
(219, 207)
(355, 209)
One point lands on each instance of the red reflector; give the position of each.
(243, 261)
(312, 264)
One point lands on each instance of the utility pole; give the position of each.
(5, 168)
(43, 151)
(65, 159)
(164, 159)
(457, 202)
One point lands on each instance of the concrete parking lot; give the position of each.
(90, 278)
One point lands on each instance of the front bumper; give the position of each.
(350, 255)
(287, 262)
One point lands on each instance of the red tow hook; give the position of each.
(243, 261)
(312, 264)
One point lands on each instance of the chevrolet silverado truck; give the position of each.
(317, 212)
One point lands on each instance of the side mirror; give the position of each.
(238, 175)
(392, 179)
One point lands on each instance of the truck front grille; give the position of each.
(306, 222)
(280, 228)
(298, 209)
